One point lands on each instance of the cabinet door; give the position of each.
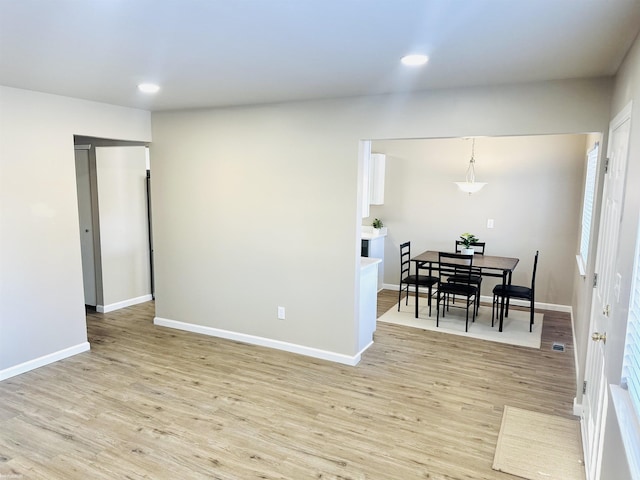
(376, 250)
(376, 178)
(368, 305)
(365, 155)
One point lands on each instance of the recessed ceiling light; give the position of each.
(414, 60)
(148, 88)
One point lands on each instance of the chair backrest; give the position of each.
(478, 247)
(535, 268)
(455, 264)
(405, 259)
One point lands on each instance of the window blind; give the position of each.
(588, 202)
(631, 362)
(627, 401)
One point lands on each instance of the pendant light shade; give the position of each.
(470, 185)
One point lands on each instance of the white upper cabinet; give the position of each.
(365, 153)
(376, 178)
(373, 165)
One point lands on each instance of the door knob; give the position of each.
(596, 337)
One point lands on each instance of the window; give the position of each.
(587, 207)
(627, 398)
(631, 362)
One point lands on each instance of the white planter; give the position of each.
(467, 251)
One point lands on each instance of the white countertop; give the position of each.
(371, 236)
(369, 233)
(368, 262)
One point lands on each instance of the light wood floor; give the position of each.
(151, 402)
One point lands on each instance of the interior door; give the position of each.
(86, 225)
(594, 399)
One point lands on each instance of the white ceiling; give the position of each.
(229, 52)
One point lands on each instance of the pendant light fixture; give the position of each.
(470, 185)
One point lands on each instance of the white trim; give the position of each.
(582, 270)
(125, 303)
(622, 116)
(263, 342)
(577, 407)
(44, 360)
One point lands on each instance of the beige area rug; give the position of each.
(537, 446)
(515, 330)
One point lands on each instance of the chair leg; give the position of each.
(445, 303)
(493, 308)
(466, 322)
(531, 317)
(475, 311)
(399, 295)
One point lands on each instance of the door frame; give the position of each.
(593, 427)
(88, 222)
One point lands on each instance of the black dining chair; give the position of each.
(518, 292)
(461, 266)
(476, 274)
(417, 280)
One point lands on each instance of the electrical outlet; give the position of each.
(280, 313)
(490, 223)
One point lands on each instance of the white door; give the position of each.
(86, 225)
(594, 400)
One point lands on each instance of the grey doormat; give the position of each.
(537, 446)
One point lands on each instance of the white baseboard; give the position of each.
(577, 408)
(263, 342)
(125, 303)
(485, 298)
(576, 365)
(44, 360)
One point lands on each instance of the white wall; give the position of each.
(627, 89)
(256, 207)
(42, 314)
(533, 196)
(124, 235)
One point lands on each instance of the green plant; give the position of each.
(468, 239)
(377, 223)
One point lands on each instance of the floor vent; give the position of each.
(557, 347)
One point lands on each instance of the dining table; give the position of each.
(487, 265)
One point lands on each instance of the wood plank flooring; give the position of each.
(151, 402)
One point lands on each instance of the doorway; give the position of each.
(114, 219)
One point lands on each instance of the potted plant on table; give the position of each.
(468, 239)
(377, 224)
